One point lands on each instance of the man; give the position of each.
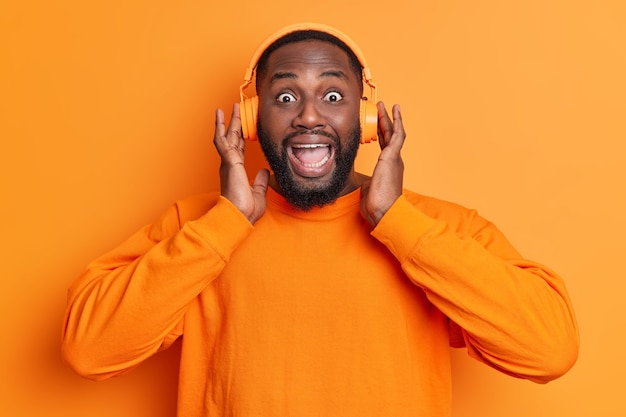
(317, 291)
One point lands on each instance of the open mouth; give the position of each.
(311, 159)
(311, 155)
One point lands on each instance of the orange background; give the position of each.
(106, 117)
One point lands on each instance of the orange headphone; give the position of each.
(249, 105)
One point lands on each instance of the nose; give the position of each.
(309, 116)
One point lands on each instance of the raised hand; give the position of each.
(385, 186)
(230, 145)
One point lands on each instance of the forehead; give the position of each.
(309, 54)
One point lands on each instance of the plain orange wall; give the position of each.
(516, 109)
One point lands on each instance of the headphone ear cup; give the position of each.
(248, 111)
(369, 121)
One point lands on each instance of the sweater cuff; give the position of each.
(403, 228)
(224, 227)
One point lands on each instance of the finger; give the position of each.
(365, 187)
(399, 135)
(234, 127)
(219, 136)
(226, 140)
(261, 181)
(385, 126)
(219, 124)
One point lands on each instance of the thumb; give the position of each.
(261, 181)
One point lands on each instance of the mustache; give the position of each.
(316, 132)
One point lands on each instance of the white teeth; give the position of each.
(318, 163)
(309, 145)
(312, 146)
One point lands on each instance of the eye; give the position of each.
(333, 96)
(285, 98)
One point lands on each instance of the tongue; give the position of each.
(310, 155)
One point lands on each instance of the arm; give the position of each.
(130, 303)
(515, 315)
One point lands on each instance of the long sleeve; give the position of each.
(129, 303)
(514, 314)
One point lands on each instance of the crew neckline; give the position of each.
(342, 205)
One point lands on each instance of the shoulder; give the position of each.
(436, 207)
(180, 212)
(193, 207)
(464, 221)
(457, 216)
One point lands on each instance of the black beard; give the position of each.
(305, 198)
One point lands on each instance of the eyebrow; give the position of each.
(290, 75)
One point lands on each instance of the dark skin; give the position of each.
(310, 85)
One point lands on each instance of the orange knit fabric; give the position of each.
(315, 314)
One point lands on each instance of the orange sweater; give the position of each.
(316, 314)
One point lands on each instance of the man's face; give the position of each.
(308, 124)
